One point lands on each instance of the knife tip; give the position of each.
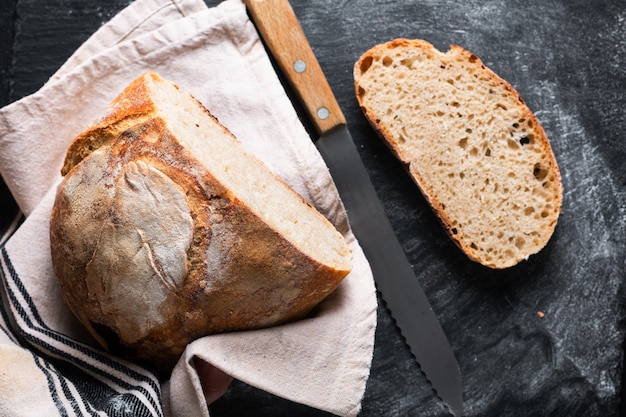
(455, 410)
(453, 403)
(454, 407)
(448, 391)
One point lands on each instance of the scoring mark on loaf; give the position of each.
(144, 242)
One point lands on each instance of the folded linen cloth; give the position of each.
(48, 363)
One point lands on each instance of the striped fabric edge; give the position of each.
(5, 234)
(123, 378)
(64, 394)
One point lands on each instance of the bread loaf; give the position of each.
(165, 230)
(469, 142)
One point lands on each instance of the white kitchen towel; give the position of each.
(49, 365)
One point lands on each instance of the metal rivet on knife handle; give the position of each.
(323, 113)
(284, 37)
(299, 66)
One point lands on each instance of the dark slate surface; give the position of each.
(567, 59)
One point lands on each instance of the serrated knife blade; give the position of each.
(394, 276)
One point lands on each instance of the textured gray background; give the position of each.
(567, 60)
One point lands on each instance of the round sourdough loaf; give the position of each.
(164, 230)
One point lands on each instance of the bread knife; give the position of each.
(283, 36)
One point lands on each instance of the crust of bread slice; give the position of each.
(475, 150)
(165, 230)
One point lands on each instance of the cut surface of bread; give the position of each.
(165, 230)
(475, 150)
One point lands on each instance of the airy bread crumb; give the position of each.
(470, 143)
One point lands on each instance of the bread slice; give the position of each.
(472, 146)
(165, 230)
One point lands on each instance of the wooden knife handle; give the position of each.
(280, 29)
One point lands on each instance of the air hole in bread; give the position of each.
(539, 172)
(387, 61)
(366, 64)
(407, 62)
(463, 143)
